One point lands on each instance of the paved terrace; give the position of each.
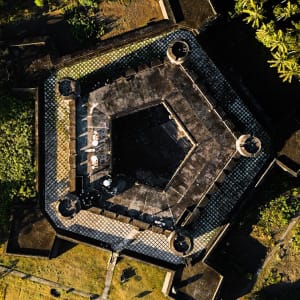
(208, 80)
(214, 144)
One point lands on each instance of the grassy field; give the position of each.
(146, 283)
(82, 267)
(12, 288)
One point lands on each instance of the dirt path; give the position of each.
(280, 241)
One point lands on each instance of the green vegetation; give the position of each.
(39, 3)
(12, 287)
(282, 270)
(85, 23)
(283, 259)
(91, 3)
(17, 171)
(296, 240)
(273, 277)
(278, 28)
(147, 281)
(122, 2)
(82, 267)
(276, 214)
(17, 12)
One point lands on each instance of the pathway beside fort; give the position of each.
(109, 274)
(281, 240)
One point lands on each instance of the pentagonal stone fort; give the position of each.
(147, 149)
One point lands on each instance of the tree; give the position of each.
(278, 42)
(291, 70)
(85, 24)
(17, 171)
(279, 61)
(255, 13)
(16, 143)
(285, 12)
(39, 3)
(265, 34)
(90, 3)
(277, 28)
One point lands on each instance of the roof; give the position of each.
(210, 103)
(213, 144)
(199, 281)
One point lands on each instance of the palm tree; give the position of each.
(287, 67)
(279, 61)
(255, 13)
(279, 41)
(265, 34)
(291, 70)
(286, 12)
(240, 5)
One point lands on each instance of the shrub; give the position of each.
(17, 170)
(91, 3)
(39, 3)
(277, 213)
(296, 239)
(273, 277)
(84, 22)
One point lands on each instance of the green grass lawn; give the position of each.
(82, 267)
(13, 288)
(146, 283)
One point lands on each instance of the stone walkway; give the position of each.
(129, 239)
(5, 271)
(113, 261)
(109, 274)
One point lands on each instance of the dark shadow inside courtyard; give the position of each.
(147, 146)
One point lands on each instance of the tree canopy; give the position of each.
(85, 23)
(17, 171)
(277, 26)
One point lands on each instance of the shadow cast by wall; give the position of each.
(280, 291)
(243, 61)
(237, 257)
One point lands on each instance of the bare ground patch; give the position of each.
(123, 18)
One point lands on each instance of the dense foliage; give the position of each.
(17, 170)
(85, 24)
(277, 25)
(296, 239)
(91, 3)
(275, 215)
(39, 3)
